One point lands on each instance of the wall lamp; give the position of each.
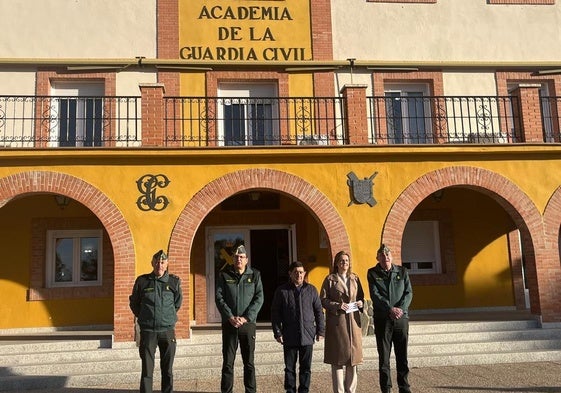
(351, 61)
(549, 72)
(254, 196)
(62, 201)
(438, 195)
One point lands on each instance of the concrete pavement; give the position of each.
(536, 377)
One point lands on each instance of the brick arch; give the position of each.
(119, 232)
(220, 189)
(515, 202)
(552, 221)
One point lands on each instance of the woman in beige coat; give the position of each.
(343, 298)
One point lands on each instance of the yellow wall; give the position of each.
(479, 228)
(479, 224)
(15, 242)
(245, 31)
(225, 31)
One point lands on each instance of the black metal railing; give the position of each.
(57, 121)
(240, 121)
(550, 110)
(446, 119)
(106, 121)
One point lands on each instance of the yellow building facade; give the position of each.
(276, 124)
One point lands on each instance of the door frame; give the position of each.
(211, 233)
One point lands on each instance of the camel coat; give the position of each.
(343, 333)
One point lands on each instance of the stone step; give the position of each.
(66, 352)
(34, 364)
(21, 383)
(421, 327)
(50, 346)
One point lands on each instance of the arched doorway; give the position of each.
(182, 244)
(102, 207)
(515, 203)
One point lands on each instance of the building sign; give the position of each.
(245, 30)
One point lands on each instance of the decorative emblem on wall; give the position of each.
(147, 185)
(361, 190)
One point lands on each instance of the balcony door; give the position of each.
(408, 114)
(248, 114)
(76, 114)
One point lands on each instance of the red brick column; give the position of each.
(528, 117)
(355, 113)
(514, 248)
(322, 45)
(168, 42)
(152, 95)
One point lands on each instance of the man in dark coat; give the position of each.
(155, 300)
(297, 321)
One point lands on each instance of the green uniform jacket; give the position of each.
(155, 301)
(239, 294)
(389, 289)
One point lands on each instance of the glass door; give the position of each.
(78, 110)
(270, 249)
(221, 243)
(249, 114)
(408, 114)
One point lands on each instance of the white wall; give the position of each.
(469, 84)
(450, 30)
(78, 28)
(128, 82)
(17, 82)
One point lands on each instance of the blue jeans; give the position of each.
(291, 355)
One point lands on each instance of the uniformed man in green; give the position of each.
(391, 294)
(239, 297)
(155, 300)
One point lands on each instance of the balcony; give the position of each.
(239, 121)
(436, 120)
(52, 121)
(157, 121)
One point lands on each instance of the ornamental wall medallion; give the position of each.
(148, 185)
(361, 190)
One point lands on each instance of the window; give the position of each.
(74, 258)
(76, 114)
(547, 103)
(249, 114)
(421, 247)
(408, 114)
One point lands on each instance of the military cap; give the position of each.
(383, 249)
(240, 250)
(159, 256)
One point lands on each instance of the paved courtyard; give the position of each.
(536, 377)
